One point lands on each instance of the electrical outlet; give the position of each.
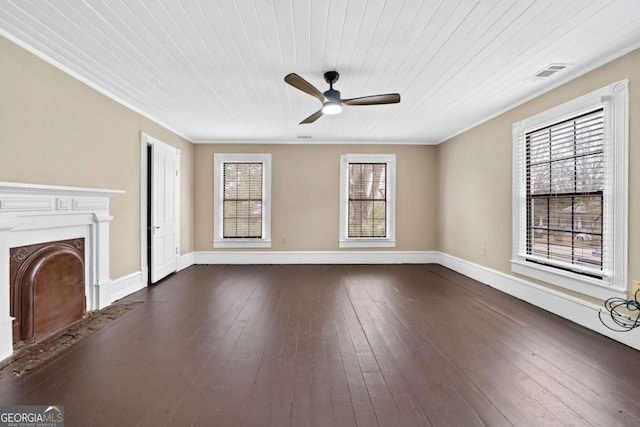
(635, 287)
(284, 240)
(483, 251)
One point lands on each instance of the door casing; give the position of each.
(145, 142)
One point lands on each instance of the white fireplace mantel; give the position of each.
(31, 214)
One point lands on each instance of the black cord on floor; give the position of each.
(623, 313)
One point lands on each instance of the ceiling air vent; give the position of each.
(304, 136)
(549, 70)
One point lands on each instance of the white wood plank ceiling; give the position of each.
(213, 70)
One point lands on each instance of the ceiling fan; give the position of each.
(331, 102)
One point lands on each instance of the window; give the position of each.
(570, 194)
(564, 188)
(367, 194)
(242, 187)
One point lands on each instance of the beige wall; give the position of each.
(475, 173)
(305, 193)
(55, 130)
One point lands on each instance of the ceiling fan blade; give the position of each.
(299, 83)
(387, 98)
(312, 118)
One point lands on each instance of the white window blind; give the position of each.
(242, 201)
(564, 194)
(367, 200)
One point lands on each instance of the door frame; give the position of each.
(146, 141)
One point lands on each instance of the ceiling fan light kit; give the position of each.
(332, 107)
(331, 101)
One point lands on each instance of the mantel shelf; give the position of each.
(53, 190)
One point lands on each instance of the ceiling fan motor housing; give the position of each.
(332, 94)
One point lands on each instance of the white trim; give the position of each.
(150, 140)
(618, 200)
(38, 190)
(147, 140)
(390, 240)
(367, 242)
(144, 267)
(218, 160)
(185, 261)
(316, 257)
(586, 285)
(125, 285)
(574, 309)
(309, 142)
(242, 243)
(614, 100)
(178, 205)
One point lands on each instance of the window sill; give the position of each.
(242, 243)
(590, 286)
(367, 243)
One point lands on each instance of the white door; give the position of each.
(164, 178)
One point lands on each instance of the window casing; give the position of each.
(367, 200)
(242, 200)
(570, 194)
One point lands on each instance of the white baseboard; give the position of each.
(315, 257)
(125, 285)
(185, 261)
(575, 309)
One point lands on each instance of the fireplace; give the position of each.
(46, 288)
(45, 225)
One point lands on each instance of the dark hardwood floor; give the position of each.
(395, 345)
